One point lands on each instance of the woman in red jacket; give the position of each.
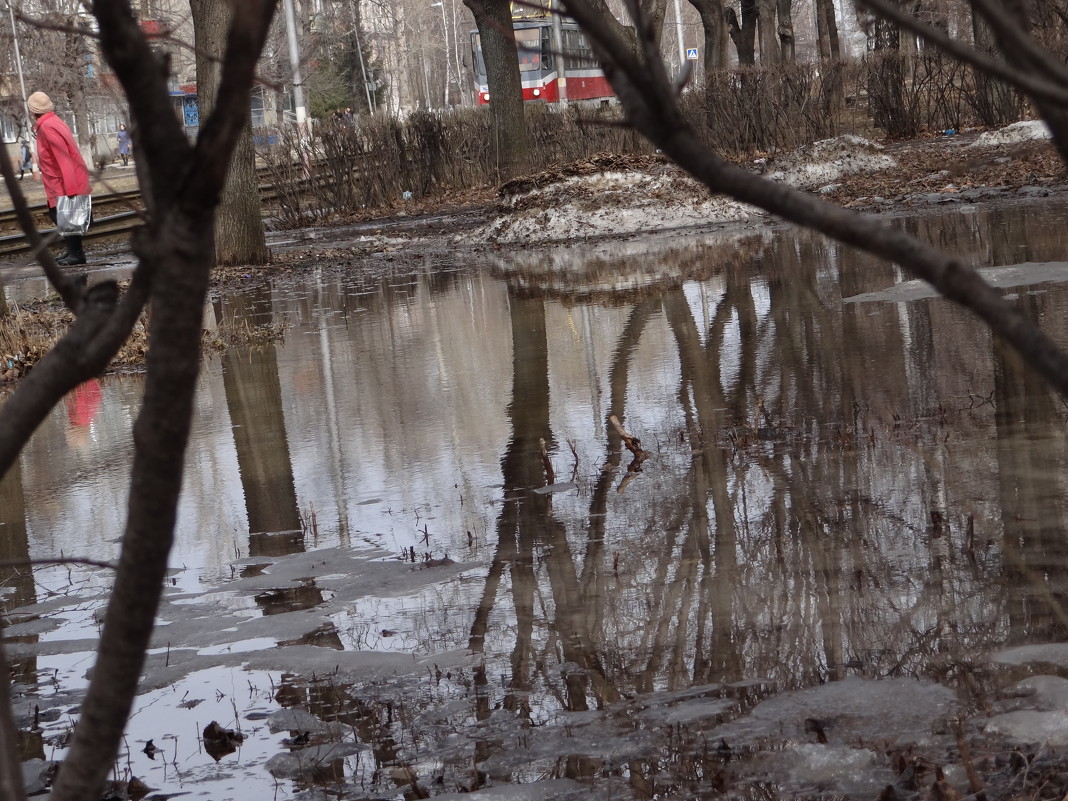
(60, 166)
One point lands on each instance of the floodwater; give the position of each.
(848, 527)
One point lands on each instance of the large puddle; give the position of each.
(412, 548)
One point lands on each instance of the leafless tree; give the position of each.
(742, 26)
(182, 184)
(241, 238)
(714, 24)
(494, 21)
(650, 102)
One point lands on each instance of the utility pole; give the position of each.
(448, 61)
(560, 57)
(359, 53)
(18, 66)
(294, 62)
(681, 34)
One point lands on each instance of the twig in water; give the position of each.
(550, 474)
(634, 445)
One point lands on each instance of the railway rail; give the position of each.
(114, 215)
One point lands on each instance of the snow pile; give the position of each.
(1038, 713)
(609, 203)
(827, 160)
(1017, 132)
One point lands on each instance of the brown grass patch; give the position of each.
(30, 331)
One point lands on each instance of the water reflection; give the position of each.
(836, 491)
(254, 400)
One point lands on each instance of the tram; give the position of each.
(538, 64)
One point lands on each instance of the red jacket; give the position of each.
(63, 169)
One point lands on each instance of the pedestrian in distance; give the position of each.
(124, 145)
(60, 166)
(25, 158)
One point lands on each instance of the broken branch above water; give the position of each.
(634, 445)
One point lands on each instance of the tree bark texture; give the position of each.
(239, 225)
(767, 30)
(714, 26)
(509, 131)
(177, 251)
(743, 31)
(827, 31)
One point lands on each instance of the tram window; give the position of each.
(547, 48)
(528, 43)
(578, 49)
(476, 53)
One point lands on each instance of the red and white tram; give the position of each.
(539, 65)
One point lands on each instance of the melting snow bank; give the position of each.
(825, 161)
(1011, 134)
(613, 195)
(607, 204)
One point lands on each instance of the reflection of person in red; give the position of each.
(83, 402)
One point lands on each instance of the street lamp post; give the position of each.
(359, 53)
(448, 61)
(294, 62)
(18, 66)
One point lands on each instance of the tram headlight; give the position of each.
(537, 93)
(485, 97)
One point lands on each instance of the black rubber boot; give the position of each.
(74, 254)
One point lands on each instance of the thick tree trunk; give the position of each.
(714, 25)
(767, 30)
(743, 32)
(786, 29)
(509, 131)
(239, 223)
(827, 31)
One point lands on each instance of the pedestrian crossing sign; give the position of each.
(691, 53)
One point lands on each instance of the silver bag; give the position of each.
(73, 214)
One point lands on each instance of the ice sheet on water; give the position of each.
(305, 762)
(549, 790)
(854, 772)
(849, 711)
(1037, 712)
(1052, 653)
(1010, 275)
(688, 712)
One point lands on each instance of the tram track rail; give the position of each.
(114, 215)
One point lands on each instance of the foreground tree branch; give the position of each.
(1035, 86)
(184, 184)
(650, 105)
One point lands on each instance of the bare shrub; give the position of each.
(993, 102)
(377, 162)
(754, 109)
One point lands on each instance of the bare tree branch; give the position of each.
(1007, 29)
(651, 109)
(73, 560)
(180, 246)
(1025, 82)
(11, 786)
(83, 352)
